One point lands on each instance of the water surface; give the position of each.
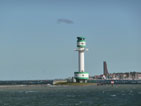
(92, 95)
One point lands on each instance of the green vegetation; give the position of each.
(74, 83)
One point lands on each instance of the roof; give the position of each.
(80, 39)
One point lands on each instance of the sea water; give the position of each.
(51, 95)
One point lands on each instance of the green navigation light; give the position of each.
(81, 43)
(80, 39)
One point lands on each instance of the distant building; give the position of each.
(117, 76)
(105, 69)
(120, 76)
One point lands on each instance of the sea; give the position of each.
(69, 95)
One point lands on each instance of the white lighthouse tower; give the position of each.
(81, 76)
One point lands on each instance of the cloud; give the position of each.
(66, 21)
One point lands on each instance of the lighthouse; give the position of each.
(81, 76)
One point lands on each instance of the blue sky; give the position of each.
(37, 37)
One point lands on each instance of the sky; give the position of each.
(38, 37)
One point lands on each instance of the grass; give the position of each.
(74, 83)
